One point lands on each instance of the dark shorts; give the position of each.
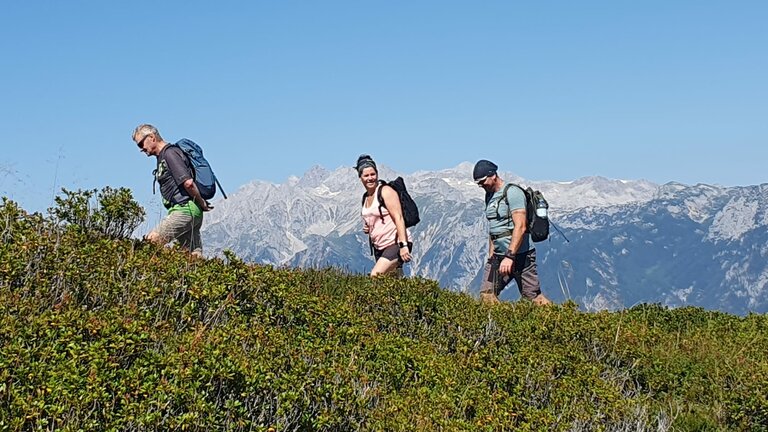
(391, 253)
(524, 273)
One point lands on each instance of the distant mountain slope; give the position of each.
(631, 241)
(690, 245)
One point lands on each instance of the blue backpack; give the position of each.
(205, 179)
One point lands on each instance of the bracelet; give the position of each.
(509, 255)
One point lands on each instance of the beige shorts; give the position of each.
(183, 228)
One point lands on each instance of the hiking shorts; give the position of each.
(391, 253)
(524, 273)
(183, 228)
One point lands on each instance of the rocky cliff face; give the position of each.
(630, 241)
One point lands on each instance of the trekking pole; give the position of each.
(220, 188)
(559, 230)
(563, 284)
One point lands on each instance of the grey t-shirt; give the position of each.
(499, 216)
(173, 170)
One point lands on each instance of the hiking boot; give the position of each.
(489, 298)
(540, 300)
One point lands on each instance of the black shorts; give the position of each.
(391, 253)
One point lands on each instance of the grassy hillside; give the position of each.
(102, 333)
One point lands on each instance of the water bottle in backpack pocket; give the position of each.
(541, 205)
(537, 215)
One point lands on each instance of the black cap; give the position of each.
(484, 168)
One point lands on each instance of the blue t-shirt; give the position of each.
(499, 216)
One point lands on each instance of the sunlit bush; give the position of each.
(102, 334)
(112, 213)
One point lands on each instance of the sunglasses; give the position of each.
(141, 143)
(481, 181)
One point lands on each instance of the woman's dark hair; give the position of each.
(364, 161)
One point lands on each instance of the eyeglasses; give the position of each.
(141, 143)
(481, 182)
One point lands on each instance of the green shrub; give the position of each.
(115, 334)
(114, 213)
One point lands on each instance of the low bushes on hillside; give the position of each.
(98, 333)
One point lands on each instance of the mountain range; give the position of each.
(628, 241)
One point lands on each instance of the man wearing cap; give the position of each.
(510, 254)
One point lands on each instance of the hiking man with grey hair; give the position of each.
(510, 255)
(181, 197)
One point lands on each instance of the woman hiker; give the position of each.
(383, 221)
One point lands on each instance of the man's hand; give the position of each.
(366, 229)
(194, 193)
(506, 266)
(205, 206)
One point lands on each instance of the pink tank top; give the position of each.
(382, 230)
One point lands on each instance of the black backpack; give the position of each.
(538, 226)
(408, 206)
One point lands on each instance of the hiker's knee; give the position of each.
(383, 265)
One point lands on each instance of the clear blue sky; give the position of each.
(658, 90)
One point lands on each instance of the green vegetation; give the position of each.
(100, 332)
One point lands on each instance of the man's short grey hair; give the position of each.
(143, 130)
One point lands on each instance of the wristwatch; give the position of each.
(402, 244)
(509, 254)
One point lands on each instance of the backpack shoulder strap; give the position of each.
(506, 189)
(382, 183)
(184, 154)
(157, 166)
(504, 197)
(169, 145)
(515, 185)
(187, 158)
